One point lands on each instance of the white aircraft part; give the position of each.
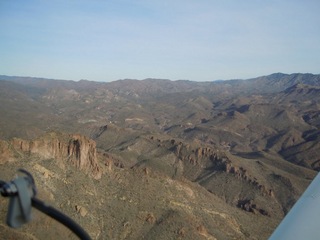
(303, 220)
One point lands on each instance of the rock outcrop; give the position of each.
(202, 158)
(73, 148)
(249, 205)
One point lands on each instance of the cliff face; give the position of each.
(73, 148)
(6, 155)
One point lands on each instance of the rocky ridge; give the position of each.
(74, 149)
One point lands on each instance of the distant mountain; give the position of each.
(272, 83)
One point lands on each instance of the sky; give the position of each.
(198, 40)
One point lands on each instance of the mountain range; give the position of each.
(161, 159)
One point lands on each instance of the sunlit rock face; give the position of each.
(73, 148)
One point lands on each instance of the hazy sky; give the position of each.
(202, 40)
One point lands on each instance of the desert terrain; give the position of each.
(161, 159)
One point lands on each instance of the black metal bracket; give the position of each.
(20, 190)
(22, 193)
